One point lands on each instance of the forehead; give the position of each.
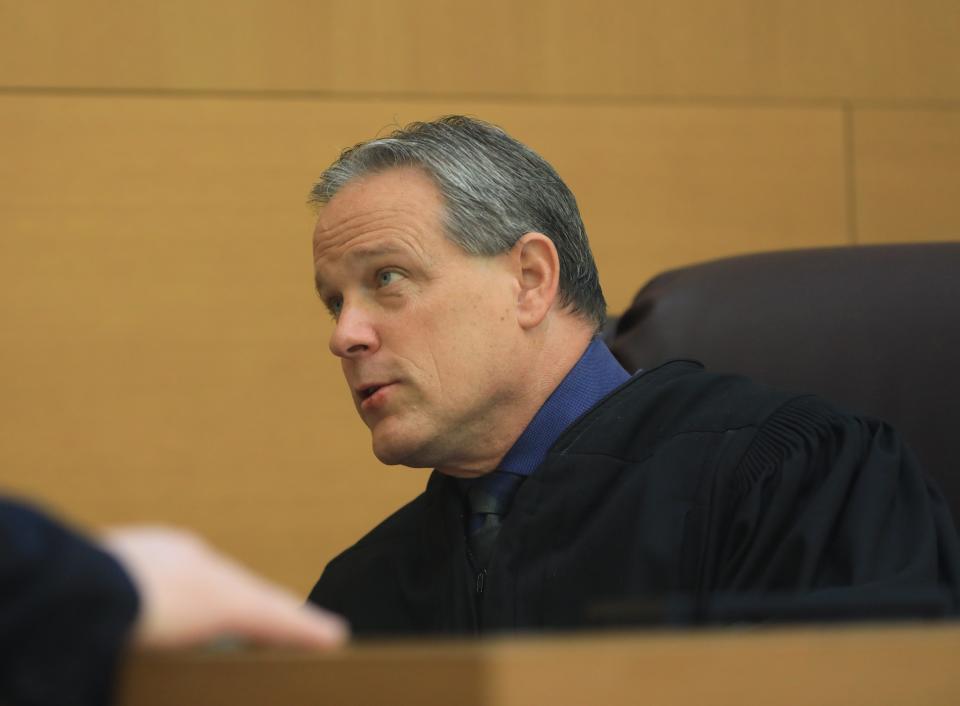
(396, 208)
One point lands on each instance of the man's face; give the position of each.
(427, 335)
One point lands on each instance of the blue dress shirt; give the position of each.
(594, 376)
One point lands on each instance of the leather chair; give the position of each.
(875, 329)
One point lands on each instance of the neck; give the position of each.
(553, 352)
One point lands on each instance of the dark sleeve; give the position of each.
(65, 611)
(828, 504)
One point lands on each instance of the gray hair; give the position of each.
(494, 189)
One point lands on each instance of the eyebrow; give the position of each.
(362, 253)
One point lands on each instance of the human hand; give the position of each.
(190, 594)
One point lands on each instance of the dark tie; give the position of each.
(488, 500)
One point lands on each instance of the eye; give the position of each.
(385, 277)
(334, 305)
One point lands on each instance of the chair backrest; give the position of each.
(875, 329)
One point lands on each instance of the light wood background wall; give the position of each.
(162, 356)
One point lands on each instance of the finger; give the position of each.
(268, 614)
(274, 617)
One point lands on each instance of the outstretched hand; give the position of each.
(190, 595)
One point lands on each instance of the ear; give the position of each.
(538, 270)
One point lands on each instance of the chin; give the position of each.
(393, 451)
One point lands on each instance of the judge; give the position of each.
(467, 307)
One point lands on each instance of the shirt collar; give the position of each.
(594, 376)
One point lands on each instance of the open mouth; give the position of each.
(367, 392)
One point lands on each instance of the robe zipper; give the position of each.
(480, 578)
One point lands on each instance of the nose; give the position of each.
(354, 334)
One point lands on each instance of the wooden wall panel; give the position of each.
(819, 49)
(907, 175)
(162, 356)
(663, 187)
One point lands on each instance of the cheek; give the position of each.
(459, 337)
(483, 343)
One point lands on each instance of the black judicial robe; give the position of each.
(66, 609)
(680, 483)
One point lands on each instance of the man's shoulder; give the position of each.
(398, 526)
(674, 399)
(403, 528)
(366, 556)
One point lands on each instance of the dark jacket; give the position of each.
(681, 488)
(66, 609)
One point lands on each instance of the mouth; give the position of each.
(366, 392)
(373, 395)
